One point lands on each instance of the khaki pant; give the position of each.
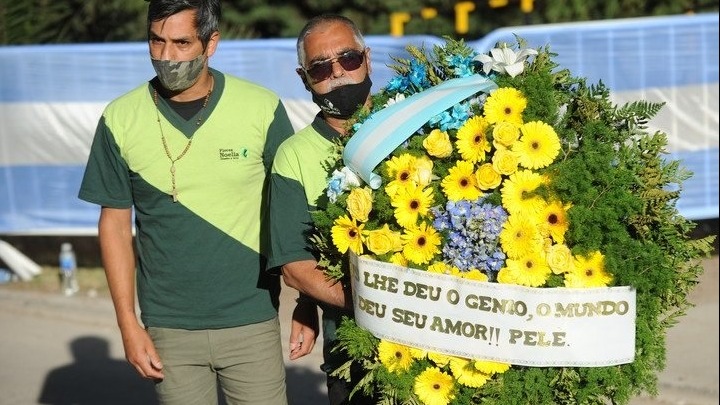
(246, 361)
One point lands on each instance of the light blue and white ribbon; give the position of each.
(388, 128)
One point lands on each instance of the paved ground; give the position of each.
(54, 347)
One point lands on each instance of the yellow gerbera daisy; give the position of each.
(395, 357)
(434, 387)
(400, 169)
(399, 260)
(460, 183)
(553, 220)
(439, 267)
(505, 105)
(347, 234)
(517, 191)
(454, 271)
(520, 236)
(530, 270)
(491, 367)
(410, 203)
(472, 143)
(466, 374)
(474, 274)
(421, 243)
(417, 353)
(505, 276)
(444, 268)
(441, 360)
(539, 145)
(589, 271)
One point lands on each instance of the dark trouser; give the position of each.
(339, 392)
(339, 389)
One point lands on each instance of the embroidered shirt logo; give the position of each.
(231, 154)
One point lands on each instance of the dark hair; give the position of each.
(324, 19)
(207, 14)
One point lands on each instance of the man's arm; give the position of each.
(116, 247)
(306, 277)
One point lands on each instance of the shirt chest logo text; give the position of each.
(232, 154)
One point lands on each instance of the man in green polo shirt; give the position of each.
(190, 152)
(335, 68)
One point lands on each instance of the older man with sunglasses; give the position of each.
(335, 67)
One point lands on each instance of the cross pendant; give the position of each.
(174, 195)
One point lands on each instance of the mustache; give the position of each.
(341, 81)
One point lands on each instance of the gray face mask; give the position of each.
(178, 75)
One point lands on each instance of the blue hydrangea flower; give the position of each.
(472, 230)
(334, 189)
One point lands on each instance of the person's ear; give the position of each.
(212, 43)
(301, 73)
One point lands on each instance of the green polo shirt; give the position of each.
(201, 259)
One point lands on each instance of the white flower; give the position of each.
(350, 179)
(342, 180)
(505, 60)
(398, 97)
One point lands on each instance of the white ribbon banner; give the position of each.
(542, 327)
(386, 129)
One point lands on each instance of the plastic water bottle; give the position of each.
(68, 270)
(6, 276)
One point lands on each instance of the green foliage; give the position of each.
(42, 21)
(357, 342)
(63, 21)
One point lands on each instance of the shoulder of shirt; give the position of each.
(245, 86)
(132, 97)
(299, 138)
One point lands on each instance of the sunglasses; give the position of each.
(350, 60)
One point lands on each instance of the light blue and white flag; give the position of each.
(388, 128)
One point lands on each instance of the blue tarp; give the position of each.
(52, 96)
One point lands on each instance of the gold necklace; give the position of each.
(174, 191)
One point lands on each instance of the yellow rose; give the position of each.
(423, 171)
(505, 162)
(559, 258)
(487, 177)
(381, 241)
(505, 134)
(438, 144)
(359, 203)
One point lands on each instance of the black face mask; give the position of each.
(343, 101)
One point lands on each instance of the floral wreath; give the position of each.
(542, 183)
